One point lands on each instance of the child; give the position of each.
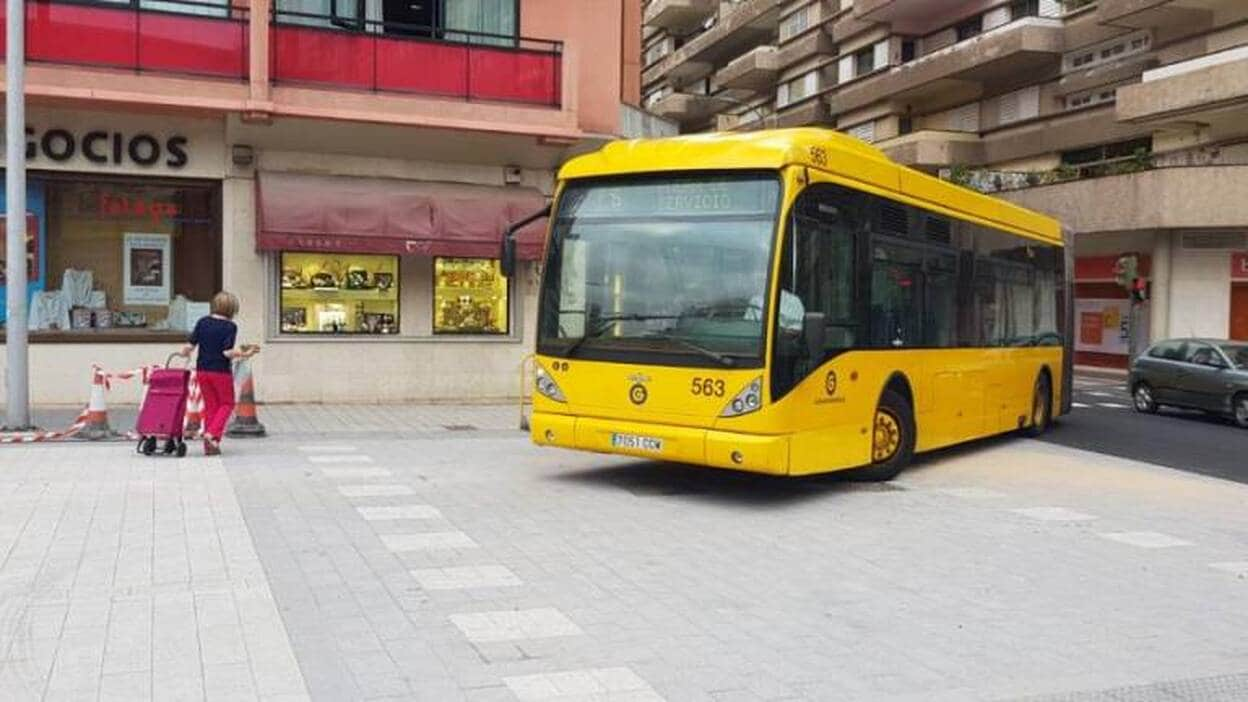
(214, 335)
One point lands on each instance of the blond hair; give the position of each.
(225, 304)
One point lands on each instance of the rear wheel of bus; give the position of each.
(892, 438)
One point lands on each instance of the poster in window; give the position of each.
(147, 269)
(1104, 326)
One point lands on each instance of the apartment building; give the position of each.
(346, 168)
(1127, 119)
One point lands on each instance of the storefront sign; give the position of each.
(105, 147)
(148, 269)
(1105, 326)
(1090, 269)
(117, 205)
(1239, 266)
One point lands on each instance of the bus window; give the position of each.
(897, 285)
(818, 273)
(940, 315)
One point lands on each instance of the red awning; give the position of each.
(299, 212)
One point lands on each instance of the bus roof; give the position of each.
(822, 149)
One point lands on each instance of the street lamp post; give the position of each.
(17, 380)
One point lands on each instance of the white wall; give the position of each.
(1200, 293)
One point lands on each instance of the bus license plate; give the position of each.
(637, 443)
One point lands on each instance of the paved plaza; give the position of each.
(432, 553)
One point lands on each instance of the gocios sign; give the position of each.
(107, 147)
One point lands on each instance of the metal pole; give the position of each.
(17, 380)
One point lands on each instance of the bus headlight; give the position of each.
(746, 401)
(547, 386)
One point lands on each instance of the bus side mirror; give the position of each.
(507, 258)
(815, 332)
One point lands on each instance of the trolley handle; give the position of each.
(169, 361)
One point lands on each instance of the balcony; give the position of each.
(814, 44)
(389, 57)
(1030, 46)
(678, 16)
(754, 72)
(811, 112)
(689, 108)
(1195, 197)
(1205, 89)
(182, 37)
(931, 149)
(1146, 14)
(740, 27)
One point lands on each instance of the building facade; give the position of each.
(1126, 119)
(347, 172)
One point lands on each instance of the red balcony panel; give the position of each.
(123, 37)
(422, 67)
(312, 55)
(97, 36)
(188, 44)
(514, 75)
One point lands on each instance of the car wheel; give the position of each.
(1041, 407)
(1143, 398)
(892, 439)
(1240, 406)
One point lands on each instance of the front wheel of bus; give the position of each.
(892, 439)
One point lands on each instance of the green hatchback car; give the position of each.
(1202, 374)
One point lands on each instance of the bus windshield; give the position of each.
(669, 270)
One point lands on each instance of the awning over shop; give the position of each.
(301, 212)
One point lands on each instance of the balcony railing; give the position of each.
(402, 58)
(172, 36)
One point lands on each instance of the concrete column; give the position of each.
(1159, 303)
(259, 44)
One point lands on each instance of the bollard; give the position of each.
(245, 423)
(96, 426)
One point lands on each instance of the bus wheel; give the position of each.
(892, 439)
(1041, 407)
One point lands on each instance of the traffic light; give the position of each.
(1126, 271)
(1139, 290)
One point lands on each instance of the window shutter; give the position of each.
(881, 54)
(845, 69)
(1007, 108)
(996, 18)
(864, 131)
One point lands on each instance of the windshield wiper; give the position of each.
(716, 356)
(605, 324)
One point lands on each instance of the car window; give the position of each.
(1169, 350)
(1238, 353)
(1202, 355)
(1163, 350)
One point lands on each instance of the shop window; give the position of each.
(124, 259)
(470, 297)
(339, 294)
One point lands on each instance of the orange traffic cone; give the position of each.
(97, 427)
(194, 410)
(245, 422)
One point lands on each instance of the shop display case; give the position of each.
(339, 294)
(470, 297)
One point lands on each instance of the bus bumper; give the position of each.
(664, 442)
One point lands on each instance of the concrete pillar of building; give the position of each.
(258, 77)
(1159, 299)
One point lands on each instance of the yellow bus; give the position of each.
(790, 302)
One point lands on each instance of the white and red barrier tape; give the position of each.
(30, 437)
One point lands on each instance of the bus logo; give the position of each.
(638, 394)
(829, 383)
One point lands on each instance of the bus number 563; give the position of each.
(708, 387)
